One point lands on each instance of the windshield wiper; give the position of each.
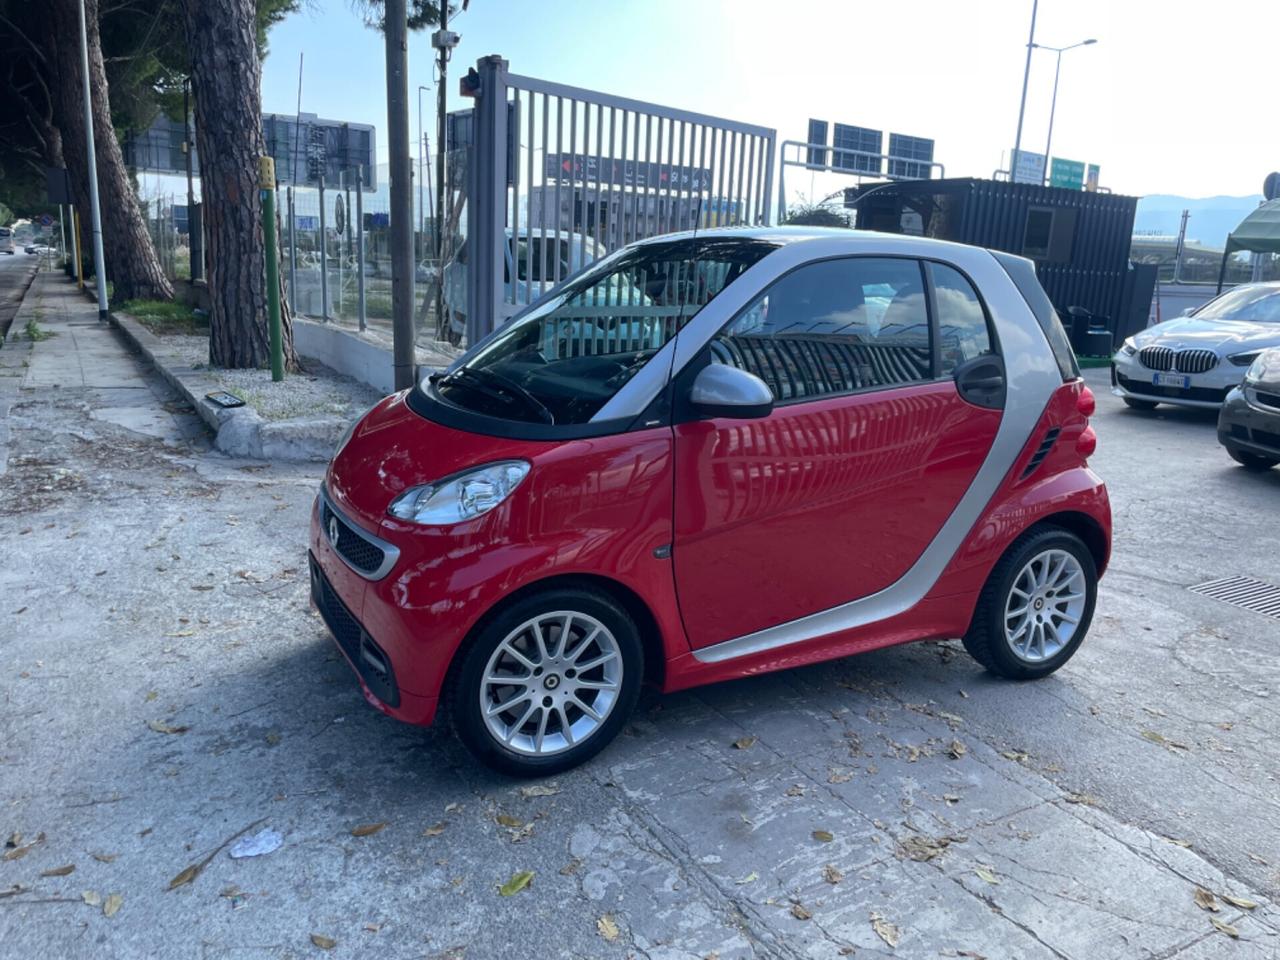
(500, 388)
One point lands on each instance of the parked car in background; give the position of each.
(856, 440)
(1196, 360)
(6, 241)
(536, 268)
(1249, 424)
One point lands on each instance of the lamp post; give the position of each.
(1054, 104)
(422, 175)
(1022, 106)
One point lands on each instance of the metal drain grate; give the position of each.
(1246, 592)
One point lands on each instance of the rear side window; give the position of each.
(963, 334)
(834, 327)
(1023, 274)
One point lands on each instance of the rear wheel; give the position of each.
(548, 682)
(1036, 606)
(1135, 404)
(1252, 461)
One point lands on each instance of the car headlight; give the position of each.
(463, 496)
(1245, 359)
(1128, 348)
(1256, 369)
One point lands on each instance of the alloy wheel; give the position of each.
(551, 683)
(1044, 606)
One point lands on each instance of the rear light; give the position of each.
(1086, 403)
(1087, 442)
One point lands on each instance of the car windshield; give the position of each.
(562, 361)
(1255, 304)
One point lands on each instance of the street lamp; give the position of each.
(1054, 105)
(422, 164)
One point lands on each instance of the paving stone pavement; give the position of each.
(165, 686)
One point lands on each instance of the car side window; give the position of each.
(963, 333)
(834, 327)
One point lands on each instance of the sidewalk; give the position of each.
(78, 353)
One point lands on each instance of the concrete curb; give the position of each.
(240, 431)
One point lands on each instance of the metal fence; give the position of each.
(559, 176)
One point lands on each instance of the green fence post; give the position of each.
(267, 182)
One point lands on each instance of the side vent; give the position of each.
(1042, 451)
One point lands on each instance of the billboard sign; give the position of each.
(910, 157)
(817, 134)
(1091, 178)
(861, 139)
(1028, 167)
(1067, 174)
(581, 168)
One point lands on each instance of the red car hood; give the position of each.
(394, 448)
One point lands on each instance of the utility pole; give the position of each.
(444, 42)
(1181, 248)
(396, 32)
(420, 240)
(1022, 108)
(99, 267)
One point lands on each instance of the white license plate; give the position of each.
(1181, 381)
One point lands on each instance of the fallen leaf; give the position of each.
(434, 831)
(159, 726)
(831, 874)
(795, 790)
(839, 776)
(1081, 798)
(186, 876)
(985, 874)
(373, 927)
(454, 807)
(800, 913)
(744, 743)
(922, 848)
(824, 836)
(957, 750)
(182, 633)
(517, 883)
(570, 868)
(1018, 756)
(951, 799)
(193, 871)
(885, 930)
(508, 821)
(368, 829)
(112, 905)
(607, 928)
(104, 857)
(202, 586)
(151, 695)
(323, 942)
(1164, 741)
(1205, 900)
(1243, 903)
(1178, 843)
(59, 871)
(751, 877)
(539, 790)
(1256, 859)
(1226, 928)
(272, 738)
(92, 898)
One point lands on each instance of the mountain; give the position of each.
(1212, 218)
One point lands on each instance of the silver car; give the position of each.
(1249, 424)
(1194, 361)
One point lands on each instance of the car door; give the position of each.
(868, 449)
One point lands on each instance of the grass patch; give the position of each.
(34, 333)
(165, 318)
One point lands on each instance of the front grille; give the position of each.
(1245, 592)
(1195, 361)
(366, 557)
(1147, 389)
(1269, 399)
(1184, 361)
(1267, 439)
(1156, 358)
(365, 655)
(1042, 451)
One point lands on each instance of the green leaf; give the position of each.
(517, 883)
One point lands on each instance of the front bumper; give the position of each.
(1205, 391)
(1247, 425)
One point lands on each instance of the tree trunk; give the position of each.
(225, 82)
(132, 264)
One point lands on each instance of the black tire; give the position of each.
(1253, 461)
(465, 688)
(986, 640)
(1135, 404)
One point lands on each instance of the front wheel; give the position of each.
(548, 682)
(1252, 461)
(1036, 606)
(1134, 404)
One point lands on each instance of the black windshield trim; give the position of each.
(427, 403)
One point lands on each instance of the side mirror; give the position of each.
(1187, 312)
(723, 391)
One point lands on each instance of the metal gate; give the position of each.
(559, 176)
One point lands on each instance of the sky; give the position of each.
(1164, 102)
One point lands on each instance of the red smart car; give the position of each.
(710, 456)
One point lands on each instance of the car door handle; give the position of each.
(981, 382)
(993, 382)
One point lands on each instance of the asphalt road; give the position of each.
(15, 271)
(165, 687)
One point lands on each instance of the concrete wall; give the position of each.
(362, 356)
